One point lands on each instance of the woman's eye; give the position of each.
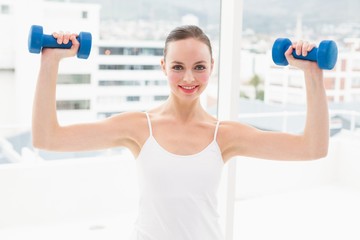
(177, 67)
(200, 67)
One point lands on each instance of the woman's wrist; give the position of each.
(50, 59)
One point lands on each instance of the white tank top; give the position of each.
(178, 193)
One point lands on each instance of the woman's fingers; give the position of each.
(66, 38)
(74, 41)
(63, 38)
(298, 47)
(60, 37)
(302, 47)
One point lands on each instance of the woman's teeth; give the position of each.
(188, 88)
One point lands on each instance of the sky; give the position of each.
(261, 15)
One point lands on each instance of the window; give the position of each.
(128, 67)
(73, 105)
(356, 82)
(156, 82)
(84, 14)
(119, 83)
(152, 51)
(356, 98)
(143, 51)
(4, 9)
(111, 51)
(109, 100)
(102, 115)
(276, 81)
(296, 82)
(133, 98)
(356, 65)
(131, 51)
(160, 98)
(6, 70)
(74, 79)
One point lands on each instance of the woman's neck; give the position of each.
(184, 111)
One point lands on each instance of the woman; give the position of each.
(180, 149)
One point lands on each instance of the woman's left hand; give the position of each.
(303, 48)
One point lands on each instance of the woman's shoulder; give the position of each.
(132, 116)
(226, 124)
(231, 138)
(133, 121)
(231, 129)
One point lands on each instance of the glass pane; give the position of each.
(122, 72)
(277, 89)
(74, 79)
(80, 193)
(273, 98)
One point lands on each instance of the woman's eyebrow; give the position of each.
(176, 62)
(198, 62)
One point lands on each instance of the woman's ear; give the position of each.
(212, 64)
(163, 66)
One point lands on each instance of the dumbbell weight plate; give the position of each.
(35, 39)
(279, 48)
(327, 54)
(85, 47)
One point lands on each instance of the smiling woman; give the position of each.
(187, 61)
(169, 164)
(184, 168)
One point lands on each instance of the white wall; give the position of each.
(52, 192)
(7, 99)
(348, 165)
(257, 177)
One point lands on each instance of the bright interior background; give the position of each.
(93, 195)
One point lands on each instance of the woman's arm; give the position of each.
(239, 139)
(46, 130)
(316, 132)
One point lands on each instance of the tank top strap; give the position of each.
(149, 123)
(216, 130)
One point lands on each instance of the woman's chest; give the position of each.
(183, 141)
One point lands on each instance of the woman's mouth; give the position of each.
(189, 89)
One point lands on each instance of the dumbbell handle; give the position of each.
(48, 41)
(311, 56)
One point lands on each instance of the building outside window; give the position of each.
(73, 105)
(4, 9)
(74, 79)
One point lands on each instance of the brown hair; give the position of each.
(185, 32)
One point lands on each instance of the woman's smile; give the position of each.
(189, 89)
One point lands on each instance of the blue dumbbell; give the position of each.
(325, 55)
(37, 40)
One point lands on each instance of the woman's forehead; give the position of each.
(188, 49)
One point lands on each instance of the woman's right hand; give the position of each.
(60, 53)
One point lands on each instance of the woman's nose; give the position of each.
(188, 77)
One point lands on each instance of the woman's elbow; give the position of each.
(39, 144)
(44, 138)
(318, 153)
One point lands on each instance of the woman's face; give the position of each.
(188, 66)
